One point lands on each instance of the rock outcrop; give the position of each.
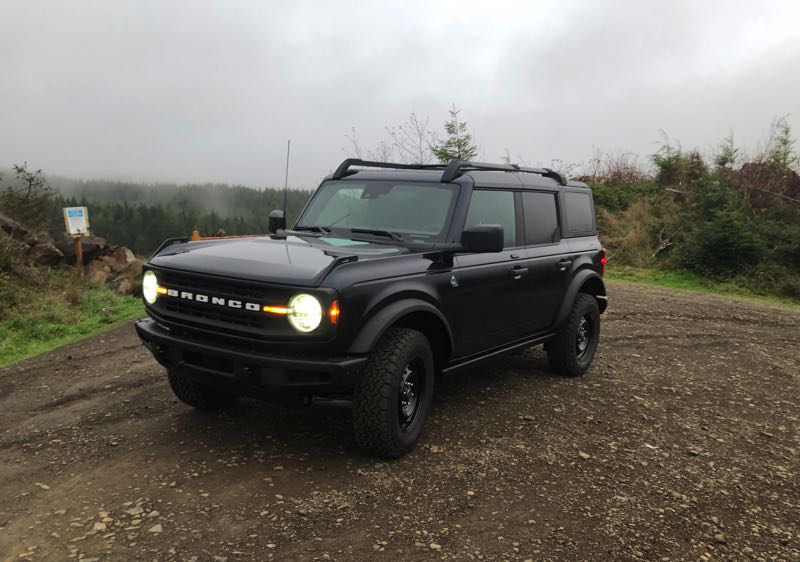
(113, 266)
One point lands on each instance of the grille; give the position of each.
(216, 313)
(248, 321)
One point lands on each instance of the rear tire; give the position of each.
(571, 352)
(197, 395)
(394, 395)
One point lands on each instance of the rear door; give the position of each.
(548, 260)
(487, 288)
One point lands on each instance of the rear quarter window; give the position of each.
(541, 218)
(579, 213)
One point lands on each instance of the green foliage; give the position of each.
(619, 197)
(458, 144)
(674, 167)
(41, 310)
(780, 149)
(708, 223)
(724, 245)
(727, 154)
(27, 198)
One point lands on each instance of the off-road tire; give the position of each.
(198, 395)
(562, 352)
(376, 400)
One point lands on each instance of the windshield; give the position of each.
(416, 211)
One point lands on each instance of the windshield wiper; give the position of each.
(313, 228)
(386, 233)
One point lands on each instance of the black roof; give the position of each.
(480, 173)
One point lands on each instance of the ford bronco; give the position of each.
(392, 275)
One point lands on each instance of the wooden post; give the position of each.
(79, 254)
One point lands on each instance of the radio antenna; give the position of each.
(286, 178)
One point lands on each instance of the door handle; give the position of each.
(563, 264)
(517, 272)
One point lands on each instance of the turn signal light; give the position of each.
(276, 309)
(333, 312)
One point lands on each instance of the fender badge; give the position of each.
(453, 281)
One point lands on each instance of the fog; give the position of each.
(211, 91)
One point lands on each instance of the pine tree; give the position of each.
(458, 144)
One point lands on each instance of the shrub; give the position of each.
(724, 245)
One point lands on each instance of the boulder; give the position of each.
(93, 247)
(119, 259)
(45, 253)
(98, 272)
(122, 285)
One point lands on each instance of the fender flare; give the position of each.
(385, 317)
(572, 293)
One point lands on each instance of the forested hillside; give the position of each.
(141, 216)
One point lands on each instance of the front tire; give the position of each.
(197, 395)
(571, 352)
(394, 395)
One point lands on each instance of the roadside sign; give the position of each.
(77, 220)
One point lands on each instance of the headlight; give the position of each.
(150, 287)
(305, 312)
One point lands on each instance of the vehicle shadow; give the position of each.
(324, 430)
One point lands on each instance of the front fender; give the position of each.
(384, 318)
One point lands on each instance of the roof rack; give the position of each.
(344, 168)
(456, 167)
(451, 171)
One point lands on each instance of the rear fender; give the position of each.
(586, 281)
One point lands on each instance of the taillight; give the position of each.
(602, 262)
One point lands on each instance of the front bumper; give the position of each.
(248, 371)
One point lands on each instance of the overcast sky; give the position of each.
(211, 90)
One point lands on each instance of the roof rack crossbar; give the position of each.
(344, 168)
(451, 171)
(456, 167)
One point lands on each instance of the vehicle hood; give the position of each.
(294, 260)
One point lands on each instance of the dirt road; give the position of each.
(682, 442)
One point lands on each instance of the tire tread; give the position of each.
(560, 350)
(372, 400)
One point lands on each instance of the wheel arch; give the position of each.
(411, 313)
(585, 281)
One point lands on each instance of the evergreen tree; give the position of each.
(780, 151)
(458, 143)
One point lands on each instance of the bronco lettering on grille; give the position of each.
(198, 297)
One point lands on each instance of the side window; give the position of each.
(580, 219)
(494, 207)
(541, 218)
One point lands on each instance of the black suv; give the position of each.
(390, 277)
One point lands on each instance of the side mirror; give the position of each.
(483, 239)
(276, 221)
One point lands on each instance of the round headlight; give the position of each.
(305, 312)
(150, 287)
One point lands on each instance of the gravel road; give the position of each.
(681, 442)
